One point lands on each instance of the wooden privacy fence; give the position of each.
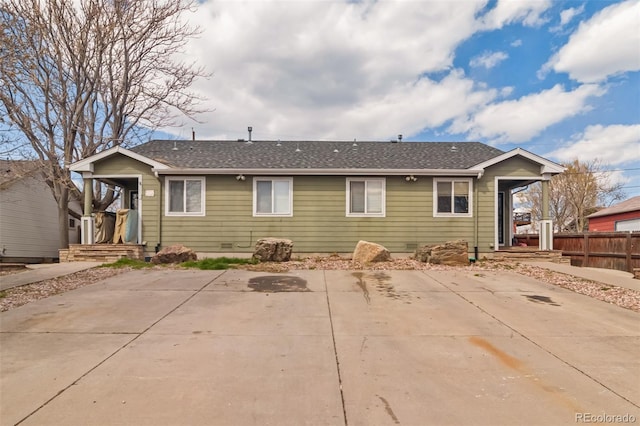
(610, 250)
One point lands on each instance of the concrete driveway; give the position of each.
(319, 347)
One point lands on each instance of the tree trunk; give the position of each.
(63, 217)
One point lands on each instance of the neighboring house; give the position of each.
(624, 216)
(29, 215)
(221, 196)
(522, 221)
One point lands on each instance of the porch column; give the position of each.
(545, 200)
(88, 224)
(546, 224)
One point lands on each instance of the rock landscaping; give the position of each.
(273, 250)
(451, 253)
(367, 252)
(174, 254)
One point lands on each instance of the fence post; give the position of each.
(585, 261)
(628, 264)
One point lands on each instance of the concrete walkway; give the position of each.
(44, 271)
(605, 276)
(236, 347)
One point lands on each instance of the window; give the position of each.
(365, 197)
(273, 197)
(185, 196)
(452, 197)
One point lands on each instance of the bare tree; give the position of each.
(575, 194)
(78, 77)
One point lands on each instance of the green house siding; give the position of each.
(149, 197)
(319, 222)
(485, 213)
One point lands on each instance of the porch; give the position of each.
(106, 253)
(517, 253)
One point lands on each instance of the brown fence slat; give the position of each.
(610, 250)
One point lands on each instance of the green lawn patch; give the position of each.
(217, 263)
(127, 263)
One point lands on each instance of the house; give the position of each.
(624, 216)
(222, 196)
(29, 215)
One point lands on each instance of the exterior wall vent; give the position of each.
(227, 246)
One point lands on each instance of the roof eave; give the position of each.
(321, 172)
(546, 166)
(86, 164)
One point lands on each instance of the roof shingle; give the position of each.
(316, 154)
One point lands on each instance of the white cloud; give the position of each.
(506, 91)
(411, 108)
(613, 144)
(516, 43)
(344, 70)
(522, 119)
(605, 45)
(509, 11)
(299, 69)
(568, 14)
(488, 59)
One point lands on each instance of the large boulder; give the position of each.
(451, 253)
(174, 254)
(367, 252)
(273, 250)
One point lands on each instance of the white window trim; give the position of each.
(203, 191)
(435, 197)
(272, 179)
(384, 197)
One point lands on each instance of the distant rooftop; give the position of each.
(11, 170)
(257, 154)
(630, 205)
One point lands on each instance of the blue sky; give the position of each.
(558, 78)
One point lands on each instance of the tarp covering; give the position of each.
(105, 224)
(121, 226)
(126, 230)
(131, 232)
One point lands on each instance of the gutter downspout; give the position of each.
(159, 227)
(475, 221)
(476, 253)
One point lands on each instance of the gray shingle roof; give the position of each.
(316, 154)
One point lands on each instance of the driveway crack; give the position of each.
(335, 350)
